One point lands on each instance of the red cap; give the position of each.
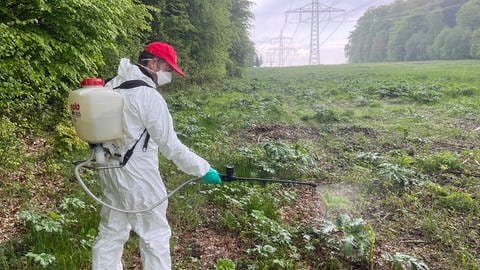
(165, 52)
(92, 82)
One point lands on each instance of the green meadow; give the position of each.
(392, 147)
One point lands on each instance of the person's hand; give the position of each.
(212, 177)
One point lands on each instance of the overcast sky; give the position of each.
(335, 27)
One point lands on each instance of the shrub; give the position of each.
(45, 260)
(278, 159)
(426, 94)
(441, 162)
(458, 201)
(327, 115)
(57, 237)
(12, 151)
(397, 175)
(352, 238)
(453, 200)
(49, 46)
(65, 141)
(400, 261)
(225, 264)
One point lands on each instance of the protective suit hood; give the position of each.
(127, 72)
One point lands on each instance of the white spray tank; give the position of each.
(97, 113)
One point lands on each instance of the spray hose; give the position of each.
(228, 177)
(94, 197)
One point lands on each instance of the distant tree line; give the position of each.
(415, 30)
(48, 46)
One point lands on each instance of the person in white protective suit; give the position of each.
(138, 184)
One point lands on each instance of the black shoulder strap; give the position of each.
(132, 84)
(145, 143)
(128, 85)
(129, 153)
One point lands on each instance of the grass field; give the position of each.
(392, 147)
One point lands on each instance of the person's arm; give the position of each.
(158, 122)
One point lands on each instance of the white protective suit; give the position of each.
(138, 184)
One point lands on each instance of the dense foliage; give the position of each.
(415, 30)
(211, 36)
(48, 46)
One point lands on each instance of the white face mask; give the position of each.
(163, 77)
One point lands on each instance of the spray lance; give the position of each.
(229, 176)
(97, 118)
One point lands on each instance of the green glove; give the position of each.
(212, 177)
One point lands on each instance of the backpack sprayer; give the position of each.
(97, 118)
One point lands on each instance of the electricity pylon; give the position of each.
(315, 8)
(281, 48)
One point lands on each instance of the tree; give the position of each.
(211, 37)
(449, 9)
(416, 47)
(415, 30)
(402, 33)
(452, 43)
(173, 24)
(358, 47)
(242, 50)
(475, 44)
(47, 47)
(467, 16)
(258, 61)
(379, 47)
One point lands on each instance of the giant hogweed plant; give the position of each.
(349, 237)
(279, 159)
(399, 261)
(56, 234)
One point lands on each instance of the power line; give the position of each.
(314, 9)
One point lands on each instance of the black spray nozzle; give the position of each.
(230, 176)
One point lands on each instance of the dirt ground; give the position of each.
(290, 133)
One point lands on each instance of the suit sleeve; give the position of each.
(158, 121)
